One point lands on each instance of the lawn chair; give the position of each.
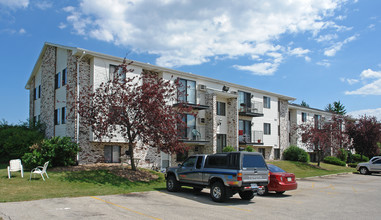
(40, 170)
(15, 165)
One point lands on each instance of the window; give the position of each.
(63, 114)
(266, 102)
(64, 76)
(221, 108)
(112, 154)
(57, 81)
(116, 72)
(221, 142)
(267, 128)
(244, 101)
(317, 121)
(276, 154)
(39, 91)
(56, 117)
(262, 151)
(244, 131)
(186, 91)
(181, 156)
(304, 117)
(190, 162)
(190, 132)
(34, 93)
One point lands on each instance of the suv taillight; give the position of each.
(239, 176)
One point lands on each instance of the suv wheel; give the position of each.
(364, 170)
(172, 184)
(218, 192)
(246, 195)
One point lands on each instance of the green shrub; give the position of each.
(357, 158)
(228, 149)
(354, 165)
(249, 149)
(60, 151)
(350, 157)
(16, 139)
(334, 160)
(295, 153)
(342, 154)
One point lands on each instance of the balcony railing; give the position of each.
(255, 109)
(199, 105)
(192, 134)
(256, 138)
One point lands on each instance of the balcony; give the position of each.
(193, 135)
(256, 138)
(254, 109)
(198, 105)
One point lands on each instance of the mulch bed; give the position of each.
(139, 175)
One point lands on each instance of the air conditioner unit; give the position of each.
(201, 120)
(201, 87)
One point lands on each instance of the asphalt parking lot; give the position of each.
(350, 196)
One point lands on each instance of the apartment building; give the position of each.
(227, 114)
(299, 115)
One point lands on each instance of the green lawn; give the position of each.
(102, 182)
(302, 170)
(69, 184)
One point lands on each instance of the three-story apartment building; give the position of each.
(227, 114)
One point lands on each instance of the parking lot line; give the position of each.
(139, 213)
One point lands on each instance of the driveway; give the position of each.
(350, 196)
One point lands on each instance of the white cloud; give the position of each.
(325, 63)
(62, 26)
(331, 51)
(369, 112)
(371, 83)
(298, 51)
(189, 33)
(349, 81)
(327, 37)
(43, 5)
(22, 31)
(15, 4)
(307, 59)
(372, 26)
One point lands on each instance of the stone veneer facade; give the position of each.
(232, 115)
(48, 71)
(284, 126)
(211, 124)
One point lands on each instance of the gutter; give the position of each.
(80, 58)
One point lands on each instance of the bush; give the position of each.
(60, 151)
(357, 158)
(350, 157)
(295, 153)
(249, 149)
(354, 165)
(16, 139)
(342, 154)
(228, 149)
(334, 160)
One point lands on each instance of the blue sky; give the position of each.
(319, 51)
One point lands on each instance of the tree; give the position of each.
(136, 108)
(304, 104)
(365, 133)
(325, 137)
(336, 108)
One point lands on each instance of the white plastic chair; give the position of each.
(15, 165)
(40, 170)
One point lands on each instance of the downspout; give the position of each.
(80, 58)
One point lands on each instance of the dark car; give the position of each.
(280, 181)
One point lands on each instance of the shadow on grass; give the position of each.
(101, 177)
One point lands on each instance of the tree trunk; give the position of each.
(131, 150)
(318, 158)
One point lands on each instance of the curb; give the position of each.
(324, 176)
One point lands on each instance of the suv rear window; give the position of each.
(252, 161)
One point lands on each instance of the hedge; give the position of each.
(334, 160)
(295, 153)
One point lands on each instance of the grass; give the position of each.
(102, 182)
(69, 184)
(302, 170)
